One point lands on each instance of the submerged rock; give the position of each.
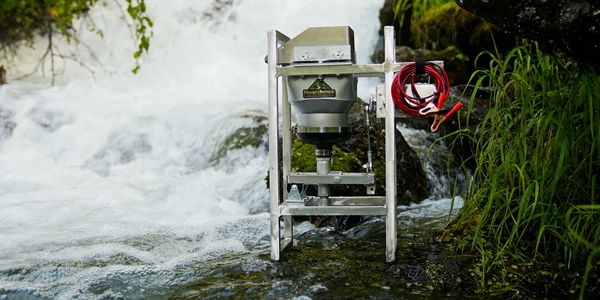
(7, 125)
(330, 265)
(49, 118)
(121, 148)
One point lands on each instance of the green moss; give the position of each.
(442, 26)
(304, 159)
(241, 138)
(451, 26)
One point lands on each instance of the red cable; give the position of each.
(412, 104)
(416, 105)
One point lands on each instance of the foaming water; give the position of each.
(107, 184)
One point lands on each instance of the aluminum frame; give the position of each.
(279, 209)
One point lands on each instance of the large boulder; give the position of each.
(449, 33)
(563, 27)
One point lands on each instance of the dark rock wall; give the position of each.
(563, 27)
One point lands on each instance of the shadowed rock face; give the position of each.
(564, 27)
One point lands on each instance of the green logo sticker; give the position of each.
(319, 89)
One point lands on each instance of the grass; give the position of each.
(535, 188)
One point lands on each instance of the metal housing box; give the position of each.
(320, 44)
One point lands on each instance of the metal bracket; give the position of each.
(331, 178)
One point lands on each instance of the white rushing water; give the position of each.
(112, 175)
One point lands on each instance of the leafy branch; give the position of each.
(22, 20)
(137, 11)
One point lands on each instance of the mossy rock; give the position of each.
(250, 136)
(449, 33)
(451, 26)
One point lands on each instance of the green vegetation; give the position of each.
(417, 8)
(407, 12)
(22, 20)
(534, 198)
(304, 159)
(137, 11)
(19, 19)
(448, 25)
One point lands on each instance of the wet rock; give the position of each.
(7, 125)
(2, 75)
(387, 17)
(329, 265)
(50, 118)
(564, 27)
(449, 25)
(121, 148)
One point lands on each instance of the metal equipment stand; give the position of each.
(335, 206)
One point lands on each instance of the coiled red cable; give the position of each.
(417, 105)
(411, 105)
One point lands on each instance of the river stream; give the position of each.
(108, 183)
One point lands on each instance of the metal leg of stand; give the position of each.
(288, 231)
(390, 150)
(286, 144)
(273, 145)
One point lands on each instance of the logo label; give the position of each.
(319, 89)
